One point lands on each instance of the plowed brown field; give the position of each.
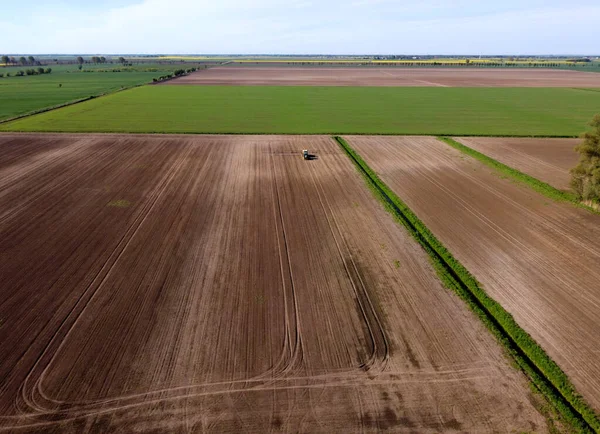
(538, 258)
(391, 76)
(223, 284)
(548, 160)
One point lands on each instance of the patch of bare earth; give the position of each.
(548, 160)
(241, 289)
(390, 76)
(537, 258)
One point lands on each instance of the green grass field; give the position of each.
(329, 110)
(21, 95)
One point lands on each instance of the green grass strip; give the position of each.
(534, 183)
(543, 372)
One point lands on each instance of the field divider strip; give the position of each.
(544, 374)
(534, 183)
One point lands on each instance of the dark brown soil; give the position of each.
(223, 284)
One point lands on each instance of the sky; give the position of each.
(300, 27)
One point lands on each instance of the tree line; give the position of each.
(585, 177)
(32, 71)
(23, 61)
(177, 73)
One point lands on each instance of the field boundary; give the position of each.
(534, 183)
(542, 371)
(251, 133)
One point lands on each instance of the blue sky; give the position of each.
(301, 26)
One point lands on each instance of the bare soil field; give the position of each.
(223, 284)
(368, 76)
(537, 258)
(548, 160)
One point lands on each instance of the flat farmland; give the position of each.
(390, 76)
(21, 95)
(214, 283)
(537, 258)
(548, 160)
(325, 110)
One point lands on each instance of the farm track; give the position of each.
(534, 257)
(387, 76)
(224, 284)
(548, 160)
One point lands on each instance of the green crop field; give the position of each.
(21, 95)
(304, 110)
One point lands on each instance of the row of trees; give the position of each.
(94, 59)
(31, 61)
(585, 178)
(21, 61)
(177, 73)
(31, 71)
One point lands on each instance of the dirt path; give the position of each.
(538, 258)
(548, 160)
(390, 76)
(223, 284)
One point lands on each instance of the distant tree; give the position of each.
(41, 70)
(48, 71)
(19, 74)
(22, 61)
(5, 60)
(103, 59)
(80, 60)
(31, 60)
(122, 60)
(13, 60)
(80, 67)
(1, 75)
(585, 177)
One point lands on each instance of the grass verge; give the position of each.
(546, 376)
(534, 183)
